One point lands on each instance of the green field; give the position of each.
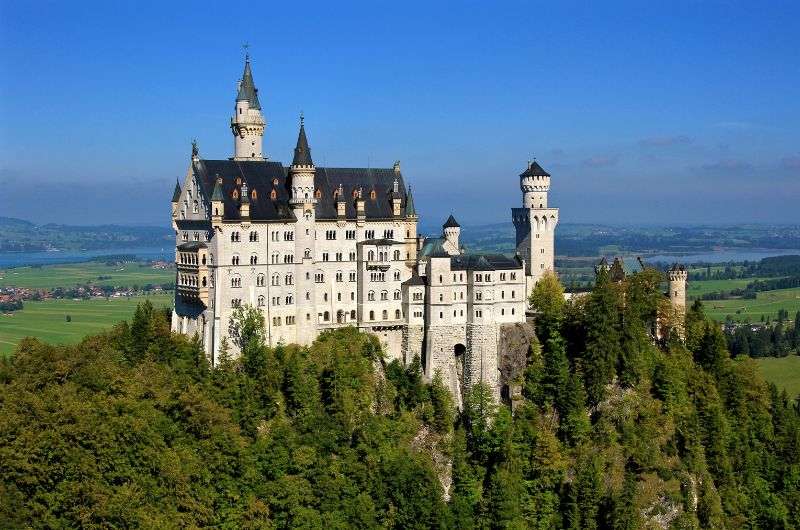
(766, 303)
(47, 320)
(783, 371)
(699, 288)
(72, 274)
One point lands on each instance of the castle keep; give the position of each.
(317, 248)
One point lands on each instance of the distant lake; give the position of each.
(22, 259)
(722, 256)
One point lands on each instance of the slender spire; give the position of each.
(410, 204)
(247, 88)
(451, 223)
(217, 194)
(302, 153)
(176, 195)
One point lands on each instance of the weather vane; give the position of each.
(245, 47)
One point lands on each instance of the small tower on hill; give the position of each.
(452, 233)
(535, 224)
(247, 123)
(677, 287)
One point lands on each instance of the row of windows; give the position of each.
(190, 280)
(325, 256)
(276, 300)
(384, 295)
(236, 237)
(478, 313)
(189, 258)
(276, 321)
(479, 277)
(383, 256)
(195, 237)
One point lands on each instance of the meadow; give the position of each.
(765, 304)
(47, 320)
(69, 275)
(783, 371)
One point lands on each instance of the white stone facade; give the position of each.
(321, 248)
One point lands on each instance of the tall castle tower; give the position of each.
(535, 224)
(247, 123)
(303, 201)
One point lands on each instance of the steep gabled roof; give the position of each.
(176, 195)
(265, 176)
(410, 210)
(302, 153)
(247, 89)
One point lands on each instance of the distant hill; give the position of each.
(17, 235)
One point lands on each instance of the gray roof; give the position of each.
(264, 176)
(194, 245)
(451, 223)
(193, 224)
(534, 170)
(302, 153)
(433, 247)
(176, 195)
(380, 242)
(247, 89)
(483, 262)
(415, 279)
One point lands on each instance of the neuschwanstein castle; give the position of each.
(316, 248)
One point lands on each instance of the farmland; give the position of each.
(783, 371)
(47, 320)
(69, 275)
(765, 304)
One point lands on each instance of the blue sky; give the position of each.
(644, 112)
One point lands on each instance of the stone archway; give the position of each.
(460, 353)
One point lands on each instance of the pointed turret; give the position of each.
(302, 153)
(302, 173)
(410, 210)
(217, 202)
(176, 195)
(247, 88)
(247, 123)
(451, 223)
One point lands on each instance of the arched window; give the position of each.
(397, 314)
(384, 295)
(397, 295)
(253, 260)
(253, 195)
(371, 295)
(353, 314)
(371, 255)
(288, 280)
(273, 195)
(195, 207)
(276, 279)
(397, 275)
(326, 316)
(385, 315)
(307, 253)
(396, 255)
(260, 280)
(261, 301)
(372, 315)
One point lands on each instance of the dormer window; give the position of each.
(273, 195)
(372, 195)
(254, 195)
(235, 194)
(318, 194)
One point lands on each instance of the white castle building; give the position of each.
(316, 248)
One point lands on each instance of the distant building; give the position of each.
(317, 248)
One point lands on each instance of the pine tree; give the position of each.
(602, 338)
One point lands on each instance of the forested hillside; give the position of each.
(133, 429)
